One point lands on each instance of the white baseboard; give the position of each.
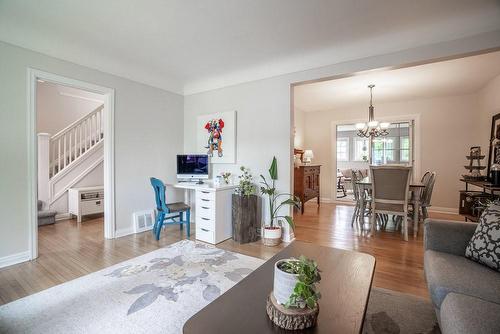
(325, 200)
(440, 209)
(10, 260)
(63, 216)
(124, 231)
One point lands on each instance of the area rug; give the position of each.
(391, 312)
(153, 293)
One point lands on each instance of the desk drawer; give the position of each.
(204, 234)
(204, 203)
(206, 211)
(205, 195)
(206, 223)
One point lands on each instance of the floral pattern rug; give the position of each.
(153, 293)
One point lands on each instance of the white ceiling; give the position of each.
(190, 46)
(447, 78)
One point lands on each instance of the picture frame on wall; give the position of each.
(216, 136)
(494, 150)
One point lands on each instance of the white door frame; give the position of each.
(417, 161)
(109, 180)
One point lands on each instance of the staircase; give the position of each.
(70, 154)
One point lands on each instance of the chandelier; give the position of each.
(373, 128)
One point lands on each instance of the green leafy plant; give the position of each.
(275, 202)
(246, 187)
(304, 293)
(226, 176)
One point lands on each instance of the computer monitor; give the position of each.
(192, 166)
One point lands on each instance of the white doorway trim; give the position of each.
(109, 179)
(417, 161)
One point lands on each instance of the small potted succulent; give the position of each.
(294, 301)
(245, 209)
(272, 230)
(226, 176)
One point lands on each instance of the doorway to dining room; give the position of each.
(354, 153)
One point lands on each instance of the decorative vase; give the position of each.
(284, 283)
(245, 218)
(272, 236)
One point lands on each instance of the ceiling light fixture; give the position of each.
(373, 128)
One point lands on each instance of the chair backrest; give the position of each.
(425, 199)
(159, 189)
(390, 186)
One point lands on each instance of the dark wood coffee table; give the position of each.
(345, 288)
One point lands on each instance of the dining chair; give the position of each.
(360, 195)
(167, 214)
(390, 185)
(428, 179)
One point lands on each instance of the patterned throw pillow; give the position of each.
(484, 246)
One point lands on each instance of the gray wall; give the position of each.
(148, 134)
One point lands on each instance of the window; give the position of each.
(361, 149)
(342, 149)
(405, 149)
(384, 150)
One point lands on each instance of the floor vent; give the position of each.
(143, 220)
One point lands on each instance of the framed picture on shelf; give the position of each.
(494, 151)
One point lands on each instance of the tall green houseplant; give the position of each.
(277, 200)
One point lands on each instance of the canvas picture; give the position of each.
(216, 136)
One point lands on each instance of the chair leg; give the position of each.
(354, 215)
(155, 226)
(181, 218)
(405, 226)
(188, 223)
(161, 219)
(372, 221)
(425, 214)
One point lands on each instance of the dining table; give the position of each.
(415, 187)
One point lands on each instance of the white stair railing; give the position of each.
(71, 142)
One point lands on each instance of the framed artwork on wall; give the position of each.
(216, 136)
(494, 151)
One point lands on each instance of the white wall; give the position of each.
(449, 127)
(56, 111)
(298, 139)
(264, 116)
(148, 134)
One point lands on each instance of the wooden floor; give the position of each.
(68, 250)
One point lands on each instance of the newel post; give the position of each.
(43, 167)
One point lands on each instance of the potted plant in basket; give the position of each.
(272, 230)
(293, 304)
(245, 209)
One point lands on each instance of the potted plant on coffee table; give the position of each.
(293, 303)
(272, 229)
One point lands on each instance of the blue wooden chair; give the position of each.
(169, 213)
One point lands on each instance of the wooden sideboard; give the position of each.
(306, 183)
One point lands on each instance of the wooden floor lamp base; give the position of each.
(290, 318)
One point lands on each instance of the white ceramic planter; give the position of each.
(272, 237)
(284, 283)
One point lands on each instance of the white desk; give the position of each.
(212, 210)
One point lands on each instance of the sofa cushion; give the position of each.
(484, 246)
(462, 314)
(447, 273)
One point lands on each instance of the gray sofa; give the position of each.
(465, 294)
